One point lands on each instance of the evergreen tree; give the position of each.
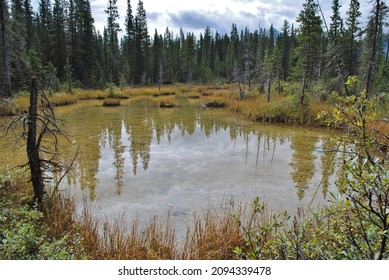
(206, 56)
(128, 48)
(335, 65)
(352, 32)
(44, 26)
(113, 28)
(17, 41)
(188, 57)
(141, 46)
(285, 51)
(82, 40)
(29, 25)
(58, 38)
(309, 49)
(261, 57)
(232, 54)
(170, 58)
(373, 44)
(248, 56)
(157, 67)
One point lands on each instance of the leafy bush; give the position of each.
(356, 224)
(23, 236)
(23, 230)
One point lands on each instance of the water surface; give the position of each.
(142, 160)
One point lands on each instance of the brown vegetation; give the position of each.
(111, 102)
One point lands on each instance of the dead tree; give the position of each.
(5, 72)
(33, 145)
(42, 132)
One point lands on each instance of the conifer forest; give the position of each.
(59, 44)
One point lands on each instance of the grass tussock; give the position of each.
(166, 102)
(62, 99)
(91, 94)
(214, 236)
(111, 102)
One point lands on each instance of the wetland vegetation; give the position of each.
(266, 145)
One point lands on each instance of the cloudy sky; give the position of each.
(196, 15)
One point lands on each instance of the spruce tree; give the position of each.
(141, 46)
(17, 41)
(157, 59)
(309, 49)
(129, 43)
(188, 57)
(352, 32)
(113, 28)
(335, 64)
(285, 51)
(44, 26)
(58, 38)
(28, 20)
(373, 44)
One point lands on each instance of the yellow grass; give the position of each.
(62, 99)
(91, 94)
(111, 102)
(166, 102)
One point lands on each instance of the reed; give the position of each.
(214, 236)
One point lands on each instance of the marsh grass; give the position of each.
(91, 94)
(63, 99)
(214, 235)
(166, 102)
(111, 102)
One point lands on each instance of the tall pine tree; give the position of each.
(113, 28)
(309, 49)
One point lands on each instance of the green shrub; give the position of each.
(23, 236)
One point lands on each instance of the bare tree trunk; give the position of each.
(32, 145)
(6, 80)
(303, 92)
(268, 87)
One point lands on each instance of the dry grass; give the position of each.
(215, 234)
(166, 102)
(214, 237)
(111, 102)
(62, 99)
(91, 94)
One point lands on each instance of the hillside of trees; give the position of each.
(60, 45)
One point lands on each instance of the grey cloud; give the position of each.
(197, 20)
(153, 15)
(220, 22)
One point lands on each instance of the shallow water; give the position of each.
(142, 160)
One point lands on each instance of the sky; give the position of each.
(196, 15)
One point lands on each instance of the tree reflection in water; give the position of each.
(139, 147)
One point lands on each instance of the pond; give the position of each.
(143, 160)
